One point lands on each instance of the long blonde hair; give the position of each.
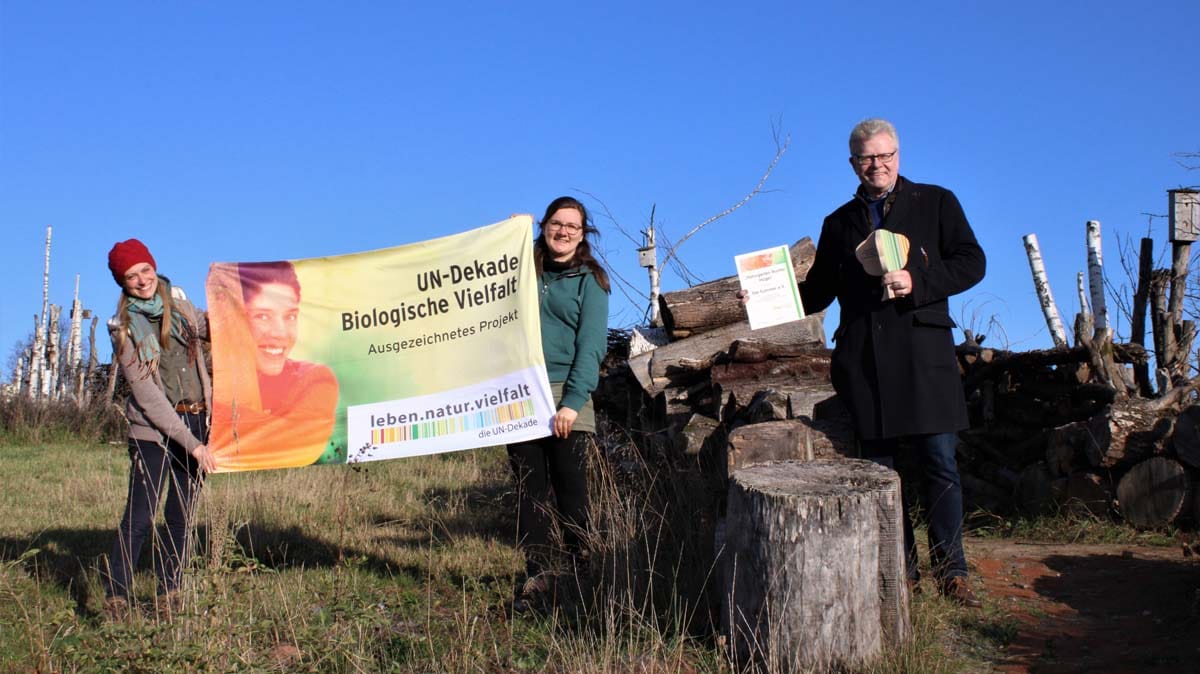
(164, 327)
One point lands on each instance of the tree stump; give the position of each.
(1154, 493)
(813, 567)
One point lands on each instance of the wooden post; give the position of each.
(1137, 323)
(36, 358)
(648, 258)
(1042, 285)
(813, 568)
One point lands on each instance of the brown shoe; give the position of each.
(115, 609)
(532, 595)
(168, 605)
(957, 590)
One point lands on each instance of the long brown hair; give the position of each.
(583, 254)
(164, 327)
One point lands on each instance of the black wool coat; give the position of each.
(893, 361)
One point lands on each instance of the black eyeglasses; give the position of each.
(866, 159)
(568, 227)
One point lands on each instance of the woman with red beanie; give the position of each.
(156, 343)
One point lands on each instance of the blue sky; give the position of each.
(224, 131)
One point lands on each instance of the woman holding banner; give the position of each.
(573, 289)
(156, 343)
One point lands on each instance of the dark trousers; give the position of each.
(941, 498)
(538, 466)
(150, 465)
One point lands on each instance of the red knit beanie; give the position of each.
(126, 254)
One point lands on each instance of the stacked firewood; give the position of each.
(1050, 432)
(1060, 429)
(712, 388)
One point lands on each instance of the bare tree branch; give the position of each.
(779, 150)
(608, 214)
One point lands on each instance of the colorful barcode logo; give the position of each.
(471, 421)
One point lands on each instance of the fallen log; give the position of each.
(1154, 493)
(707, 306)
(1186, 439)
(813, 567)
(689, 360)
(1125, 433)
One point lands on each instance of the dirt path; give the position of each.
(1094, 608)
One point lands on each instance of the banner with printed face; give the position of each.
(419, 349)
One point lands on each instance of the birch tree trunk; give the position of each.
(1096, 276)
(36, 354)
(52, 352)
(653, 273)
(1040, 283)
(1084, 307)
(85, 394)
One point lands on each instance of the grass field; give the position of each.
(404, 566)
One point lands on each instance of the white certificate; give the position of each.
(769, 278)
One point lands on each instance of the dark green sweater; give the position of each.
(574, 313)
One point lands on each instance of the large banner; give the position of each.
(425, 348)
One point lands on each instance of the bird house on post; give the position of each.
(1184, 215)
(647, 257)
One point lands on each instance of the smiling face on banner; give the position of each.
(274, 316)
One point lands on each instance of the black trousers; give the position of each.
(151, 465)
(551, 478)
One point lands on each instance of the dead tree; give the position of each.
(1041, 284)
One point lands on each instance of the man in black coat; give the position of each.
(893, 363)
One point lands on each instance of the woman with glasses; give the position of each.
(573, 290)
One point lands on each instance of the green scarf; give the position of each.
(145, 337)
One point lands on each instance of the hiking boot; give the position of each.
(168, 605)
(957, 590)
(115, 609)
(531, 596)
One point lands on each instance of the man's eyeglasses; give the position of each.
(568, 227)
(866, 159)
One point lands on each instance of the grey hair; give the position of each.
(870, 127)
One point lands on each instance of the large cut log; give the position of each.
(1187, 436)
(1127, 432)
(768, 442)
(803, 378)
(1154, 493)
(689, 360)
(813, 567)
(704, 307)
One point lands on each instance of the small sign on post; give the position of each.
(1184, 215)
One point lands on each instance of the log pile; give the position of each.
(723, 392)
(1064, 429)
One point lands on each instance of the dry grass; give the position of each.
(401, 566)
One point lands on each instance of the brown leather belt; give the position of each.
(184, 406)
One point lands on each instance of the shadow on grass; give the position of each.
(66, 557)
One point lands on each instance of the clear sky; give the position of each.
(222, 131)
